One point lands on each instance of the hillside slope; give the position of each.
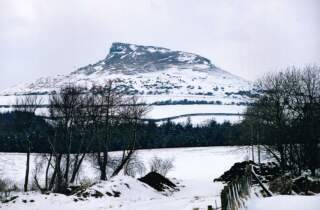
(155, 73)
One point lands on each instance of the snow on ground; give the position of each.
(167, 83)
(195, 169)
(285, 202)
(149, 99)
(200, 120)
(164, 111)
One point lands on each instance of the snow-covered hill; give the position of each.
(155, 73)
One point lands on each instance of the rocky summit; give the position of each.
(133, 59)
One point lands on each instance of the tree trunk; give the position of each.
(26, 179)
(47, 171)
(258, 144)
(122, 164)
(59, 185)
(103, 169)
(76, 168)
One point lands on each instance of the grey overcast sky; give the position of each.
(246, 37)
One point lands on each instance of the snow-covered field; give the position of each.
(164, 111)
(195, 169)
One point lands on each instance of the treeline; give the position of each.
(170, 134)
(150, 134)
(15, 125)
(186, 102)
(192, 102)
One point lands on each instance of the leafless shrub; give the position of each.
(86, 182)
(6, 187)
(3, 185)
(161, 166)
(134, 167)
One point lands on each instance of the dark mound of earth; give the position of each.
(157, 181)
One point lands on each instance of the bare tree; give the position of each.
(27, 105)
(307, 113)
(89, 121)
(115, 117)
(108, 99)
(130, 114)
(286, 116)
(68, 112)
(86, 130)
